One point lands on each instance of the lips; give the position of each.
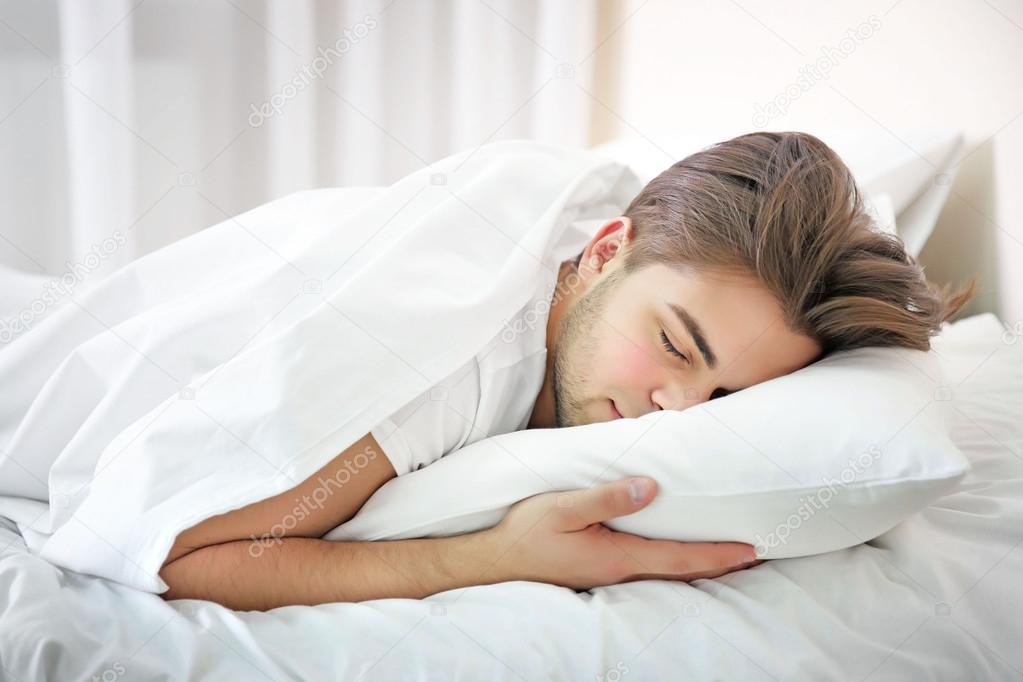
(615, 414)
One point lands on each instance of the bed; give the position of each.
(936, 598)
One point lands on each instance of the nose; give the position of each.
(679, 396)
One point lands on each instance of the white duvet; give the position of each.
(937, 598)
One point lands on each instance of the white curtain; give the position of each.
(126, 125)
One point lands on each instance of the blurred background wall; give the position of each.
(161, 117)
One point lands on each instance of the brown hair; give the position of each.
(784, 207)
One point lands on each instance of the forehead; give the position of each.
(741, 321)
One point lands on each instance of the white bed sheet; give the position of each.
(938, 597)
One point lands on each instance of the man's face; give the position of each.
(620, 343)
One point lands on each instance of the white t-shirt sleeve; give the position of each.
(433, 424)
(393, 444)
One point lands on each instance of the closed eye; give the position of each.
(670, 348)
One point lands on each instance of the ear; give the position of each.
(607, 244)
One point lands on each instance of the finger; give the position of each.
(641, 557)
(713, 573)
(581, 508)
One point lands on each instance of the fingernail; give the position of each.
(638, 488)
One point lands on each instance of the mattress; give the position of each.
(936, 598)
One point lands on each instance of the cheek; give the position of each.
(626, 363)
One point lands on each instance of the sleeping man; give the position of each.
(739, 264)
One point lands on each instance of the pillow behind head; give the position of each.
(821, 459)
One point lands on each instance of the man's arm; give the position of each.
(556, 537)
(326, 499)
(270, 554)
(313, 571)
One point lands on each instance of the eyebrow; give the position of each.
(693, 327)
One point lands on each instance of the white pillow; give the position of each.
(827, 457)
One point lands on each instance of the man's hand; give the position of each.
(559, 538)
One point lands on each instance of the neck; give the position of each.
(543, 415)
